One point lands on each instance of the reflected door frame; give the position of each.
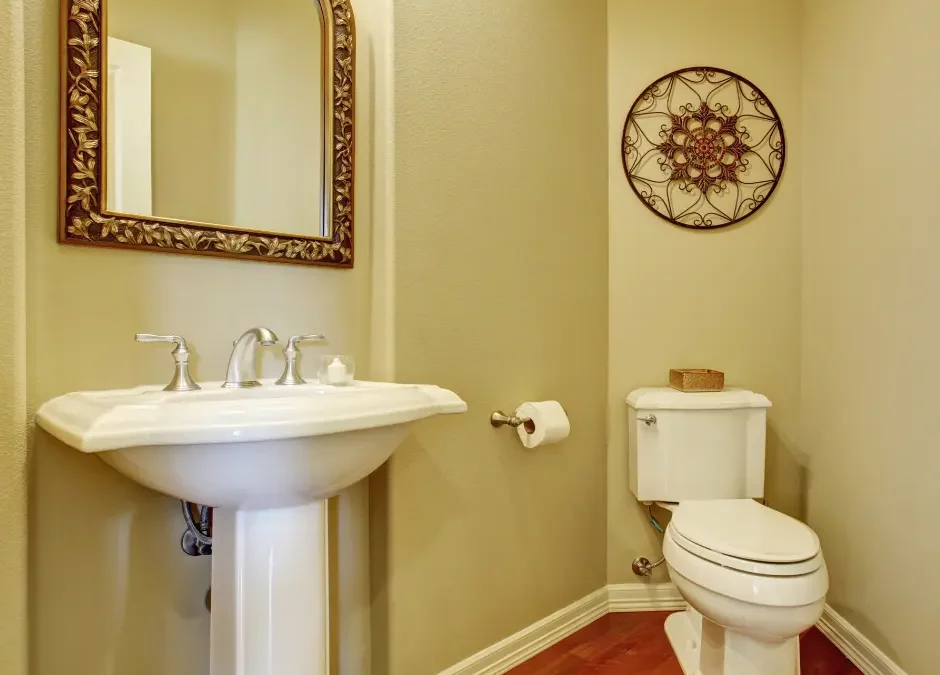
(129, 128)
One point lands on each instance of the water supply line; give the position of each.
(197, 538)
(642, 567)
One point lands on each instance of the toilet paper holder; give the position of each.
(501, 419)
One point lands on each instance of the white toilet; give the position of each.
(754, 578)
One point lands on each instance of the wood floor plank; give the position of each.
(635, 643)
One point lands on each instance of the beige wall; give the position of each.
(870, 320)
(111, 593)
(193, 102)
(728, 299)
(500, 294)
(13, 57)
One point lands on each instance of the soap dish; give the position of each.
(696, 379)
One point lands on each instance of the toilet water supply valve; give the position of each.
(642, 567)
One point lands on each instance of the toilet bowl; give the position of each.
(754, 578)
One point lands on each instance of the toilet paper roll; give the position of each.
(549, 423)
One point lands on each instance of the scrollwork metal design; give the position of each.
(83, 221)
(703, 148)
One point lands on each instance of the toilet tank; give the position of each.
(701, 445)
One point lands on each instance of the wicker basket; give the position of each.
(696, 379)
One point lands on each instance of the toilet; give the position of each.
(754, 578)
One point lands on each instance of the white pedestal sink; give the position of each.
(267, 459)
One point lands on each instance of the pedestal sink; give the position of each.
(267, 458)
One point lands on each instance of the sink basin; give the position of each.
(265, 447)
(266, 458)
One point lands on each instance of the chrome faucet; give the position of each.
(242, 368)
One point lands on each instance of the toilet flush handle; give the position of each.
(650, 419)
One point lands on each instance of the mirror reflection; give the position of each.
(215, 113)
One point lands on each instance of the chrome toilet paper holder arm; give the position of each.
(501, 419)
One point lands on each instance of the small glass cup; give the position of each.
(337, 369)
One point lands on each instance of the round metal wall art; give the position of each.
(703, 148)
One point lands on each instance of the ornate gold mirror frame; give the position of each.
(83, 221)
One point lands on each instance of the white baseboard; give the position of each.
(519, 648)
(643, 598)
(857, 648)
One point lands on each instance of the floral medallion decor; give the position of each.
(83, 220)
(703, 148)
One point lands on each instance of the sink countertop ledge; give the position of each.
(99, 421)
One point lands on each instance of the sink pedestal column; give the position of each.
(270, 608)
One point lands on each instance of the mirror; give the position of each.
(217, 127)
(215, 112)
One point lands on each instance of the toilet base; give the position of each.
(705, 648)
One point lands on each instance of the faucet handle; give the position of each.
(150, 337)
(294, 340)
(182, 381)
(291, 374)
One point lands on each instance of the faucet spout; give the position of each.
(242, 368)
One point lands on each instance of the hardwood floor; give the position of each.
(635, 643)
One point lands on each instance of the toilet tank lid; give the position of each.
(665, 398)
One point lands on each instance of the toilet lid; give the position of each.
(744, 529)
(750, 566)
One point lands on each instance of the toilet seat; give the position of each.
(742, 534)
(766, 590)
(749, 566)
